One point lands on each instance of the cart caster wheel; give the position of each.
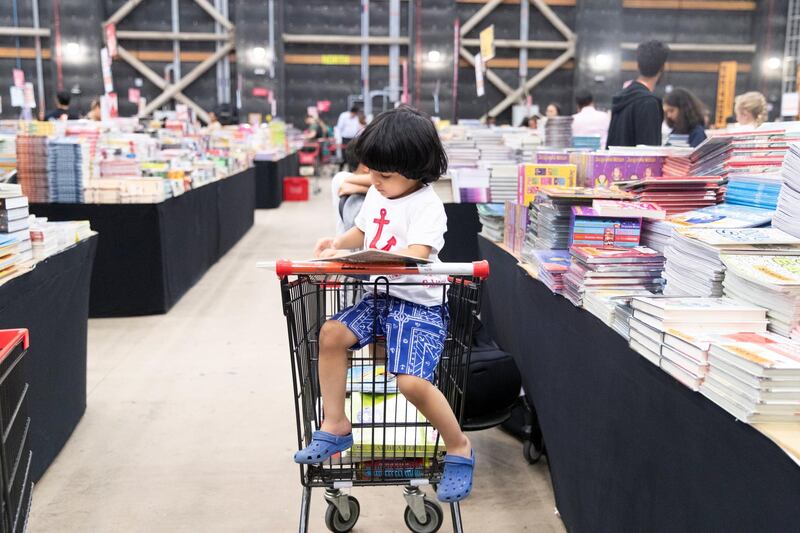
(334, 520)
(433, 516)
(532, 452)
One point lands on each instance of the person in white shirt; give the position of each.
(349, 125)
(402, 214)
(588, 121)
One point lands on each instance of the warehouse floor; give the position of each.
(190, 424)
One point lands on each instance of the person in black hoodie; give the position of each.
(636, 113)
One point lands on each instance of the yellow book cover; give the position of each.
(532, 177)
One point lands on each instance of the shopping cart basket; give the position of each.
(393, 443)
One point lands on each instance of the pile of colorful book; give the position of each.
(32, 167)
(551, 265)
(492, 219)
(787, 215)
(607, 168)
(558, 132)
(14, 222)
(503, 180)
(669, 332)
(515, 226)
(678, 194)
(612, 268)
(67, 164)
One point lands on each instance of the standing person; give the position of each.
(636, 115)
(401, 214)
(315, 128)
(750, 109)
(94, 110)
(61, 112)
(588, 121)
(685, 115)
(552, 110)
(349, 125)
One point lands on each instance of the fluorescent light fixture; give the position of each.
(258, 54)
(72, 50)
(773, 63)
(602, 61)
(434, 56)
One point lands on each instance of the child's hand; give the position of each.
(330, 252)
(323, 244)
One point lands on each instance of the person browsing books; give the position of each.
(684, 114)
(636, 113)
(588, 121)
(401, 214)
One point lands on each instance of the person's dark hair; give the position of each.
(405, 141)
(355, 109)
(63, 97)
(651, 56)
(584, 98)
(690, 108)
(350, 157)
(558, 107)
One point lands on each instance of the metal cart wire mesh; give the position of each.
(393, 443)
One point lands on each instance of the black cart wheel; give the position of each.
(433, 518)
(334, 520)
(533, 451)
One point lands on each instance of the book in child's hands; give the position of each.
(375, 257)
(613, 208)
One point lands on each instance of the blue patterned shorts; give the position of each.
(415, 334)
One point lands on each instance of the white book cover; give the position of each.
(699, 309)
(777, 271)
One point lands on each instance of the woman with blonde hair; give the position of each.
(750, 109)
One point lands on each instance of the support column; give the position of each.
(602, 81)
(436, 35)
(253, 68)
(769, 36)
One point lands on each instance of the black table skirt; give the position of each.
(150, 255)
(630, 448)
(461, 239)
(269, 180)
(52, 302)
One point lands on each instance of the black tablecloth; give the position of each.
(52, 302)
(150, 255)
(269, 180)
(461, 239)
(630, 448)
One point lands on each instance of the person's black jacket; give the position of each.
(636, 117)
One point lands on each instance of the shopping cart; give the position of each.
(393, 443)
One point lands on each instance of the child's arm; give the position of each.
(328, 246)
(419, 251)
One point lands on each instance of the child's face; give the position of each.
(393, 185)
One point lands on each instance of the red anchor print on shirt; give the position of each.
(381, 222)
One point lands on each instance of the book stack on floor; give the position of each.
(657, 233)
(678, 194)
(551, 266)
(769, 281)
(32, 167)
(787, 215)
(756, 378)
(612, 268)
(503, 182)
(14, 221)
(492, 220)
(657, 323)
(67, 164)
(694, 267)
(558, 132)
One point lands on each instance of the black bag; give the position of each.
(493, 383)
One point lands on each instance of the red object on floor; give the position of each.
(308, 154)
(295, 189)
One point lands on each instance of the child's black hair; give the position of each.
(405, 141)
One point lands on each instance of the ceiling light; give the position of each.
(258, 54)
(773, 63)
(434, 56)
(72, 50)
(602, 61)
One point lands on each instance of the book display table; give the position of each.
(269, 179)
(52, 302)
(150, 255)
(630, 448)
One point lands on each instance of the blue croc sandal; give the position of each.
(323, 445)
(456, 483)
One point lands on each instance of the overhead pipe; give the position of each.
(122, 12)
(701, 47)
(479, 15)
(394, 51)
(216, 15)
(342, 39)
(11, 31)
(519, 43)
(172, 36)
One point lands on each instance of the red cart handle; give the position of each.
(284, 267)
(10, 338)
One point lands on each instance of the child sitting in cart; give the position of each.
(401, 214)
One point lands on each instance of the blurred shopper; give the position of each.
(552, 110)
(588, 121)
(62, 111)
(684, 113)
(750, 109)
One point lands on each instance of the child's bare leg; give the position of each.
(334, 340)
(431, 402)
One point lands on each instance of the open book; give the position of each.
(375, 257)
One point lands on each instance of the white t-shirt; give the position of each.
(395, 224)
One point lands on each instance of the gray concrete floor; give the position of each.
(190, 422)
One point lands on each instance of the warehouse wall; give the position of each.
(302, 77)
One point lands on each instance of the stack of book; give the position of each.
(590, 228)
(606, 168)
(120, 168)
(612, 268)
(503, 182)
(756, 190)
(694, 267)
(515, 226)
(491, 217)
(787, 215)
(558, 132)
(8, 155)
(14, 221)
(660, 327)
(470, 185)
(551, 265)
(32, 167)
(534, 177)
(461, 153)
(677, 163)
(496, 152)
(8, 256)
(612, 307)
(587, 142)
(66, 168)
(679, 193)
(657, 233)
(756, 378)
(724, 152)
(617, 208)
(769, 281)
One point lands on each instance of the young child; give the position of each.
(402, 214)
